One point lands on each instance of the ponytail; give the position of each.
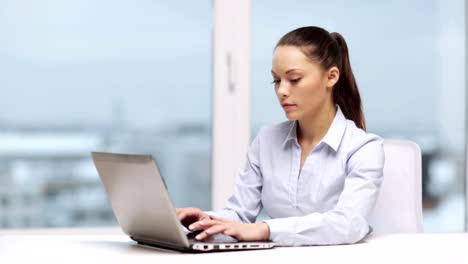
(330, 49)
(345, 92)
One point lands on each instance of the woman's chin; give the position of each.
(291, 116)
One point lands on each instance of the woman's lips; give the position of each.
(288, 107)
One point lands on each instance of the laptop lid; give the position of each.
(139, 198)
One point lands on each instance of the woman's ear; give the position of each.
(333, 74)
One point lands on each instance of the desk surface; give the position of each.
(110, 245)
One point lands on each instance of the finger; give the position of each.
(215, 229)
(214, 217)
(181, 215)
(205, 216)
(210, 231)
(203, 224)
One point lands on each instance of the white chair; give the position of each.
(399, 205)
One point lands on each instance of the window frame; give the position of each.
(231, 95)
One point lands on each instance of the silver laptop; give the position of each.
(144, 210)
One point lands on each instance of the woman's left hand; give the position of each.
(242, 232)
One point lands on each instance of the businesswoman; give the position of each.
(316, 175)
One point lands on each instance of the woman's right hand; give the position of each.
(188, 216)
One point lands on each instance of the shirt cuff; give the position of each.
(280, 227)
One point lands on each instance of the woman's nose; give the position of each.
(283, 90)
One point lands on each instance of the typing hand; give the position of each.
(187, 216)
(242, 232)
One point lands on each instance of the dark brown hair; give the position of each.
(328, 50)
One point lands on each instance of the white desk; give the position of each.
(110, 245)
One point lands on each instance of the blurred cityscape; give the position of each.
(49, 180)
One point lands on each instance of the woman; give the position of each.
(317, 175)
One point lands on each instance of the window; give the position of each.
(119, 76)
(136, 77)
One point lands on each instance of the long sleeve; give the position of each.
(347, 222)
(245, 204)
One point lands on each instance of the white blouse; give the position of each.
(328, 202)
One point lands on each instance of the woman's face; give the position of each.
(303, 88)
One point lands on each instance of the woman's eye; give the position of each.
(275, 81)
(294, 81)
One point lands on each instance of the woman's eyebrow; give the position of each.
(288, 71)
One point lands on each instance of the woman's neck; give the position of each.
(313, 128)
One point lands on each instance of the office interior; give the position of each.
(140, 77)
